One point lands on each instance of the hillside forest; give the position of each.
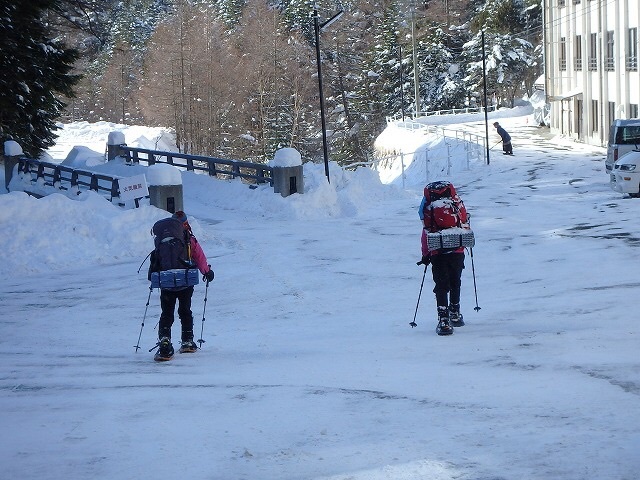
(239, 78)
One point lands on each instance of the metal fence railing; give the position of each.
(473, 145)
(450, 111)
(40, 177)
(215, 167)
(44, 174)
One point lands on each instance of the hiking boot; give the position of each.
(165, 350)
(188, 346)
(444, 326)
(455, 317)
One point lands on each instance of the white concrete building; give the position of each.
(591, 65)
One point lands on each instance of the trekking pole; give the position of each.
(414, 324)
(145, 259)
(204, 308)
(473, 270)
(137, 346)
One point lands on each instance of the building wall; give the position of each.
(589, 80)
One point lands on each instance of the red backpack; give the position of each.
(442, 207)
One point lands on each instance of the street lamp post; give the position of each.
(317, 29)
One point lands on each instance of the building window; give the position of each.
(561, 3)
(563, 53)
(576, 2)
(609, 59)
(632, 49)
(633, 110)
(578, 53)
(593, 52)
(594, 116)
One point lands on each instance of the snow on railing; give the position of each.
(474, 147)
(451, 111)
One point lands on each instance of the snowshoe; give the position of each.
(165, 350)
(188, 346)
(457, 321)
(455, 317)
(444, 326)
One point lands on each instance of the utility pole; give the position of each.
(317, 27)
(484, 83)
(416, 82)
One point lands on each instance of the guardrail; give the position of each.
(44, 174)
(40, 178)
(450, 111)
(215, 167)
(474, 147)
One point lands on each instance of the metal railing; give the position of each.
(474, 147)
(451, 111)
(215, 167)
(44, 174)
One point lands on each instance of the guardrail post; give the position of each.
(115, 192)
(212, 168)
(402, 166)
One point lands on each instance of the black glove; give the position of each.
(426, 260)
(208, 276)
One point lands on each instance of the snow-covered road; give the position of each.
(310, 369)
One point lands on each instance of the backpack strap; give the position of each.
(434, 224)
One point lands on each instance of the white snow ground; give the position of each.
(310, 369)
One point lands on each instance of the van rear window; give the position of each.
(628, 135)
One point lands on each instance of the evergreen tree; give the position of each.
(229, 11)
(511, 60)
(35, 74)
(364, 79)
(440, 73)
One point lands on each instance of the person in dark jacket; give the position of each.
(507, 149)
(182, 295)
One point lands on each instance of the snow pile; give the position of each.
(12, 148)
(89, 231)
(94, 136)
(286, 157)
(163, 174)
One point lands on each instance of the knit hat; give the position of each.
(496, 124)
(180, 215)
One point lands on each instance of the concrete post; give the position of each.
(11, 157)
(166, 197)
(114, 145)
(165, 187)
(288, 180)
(288, 174)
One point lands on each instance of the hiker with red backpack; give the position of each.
(445, 233)
(174, 269)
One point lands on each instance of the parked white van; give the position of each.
(624, 136)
